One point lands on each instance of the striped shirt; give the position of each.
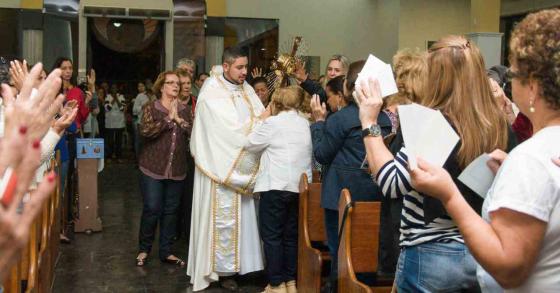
(394, 180)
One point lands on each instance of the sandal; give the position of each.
(174, 261)
(141, 261)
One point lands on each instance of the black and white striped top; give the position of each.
(394, 180)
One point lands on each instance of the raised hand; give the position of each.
(368, 97)
(318, 109)
(23, 157)
(257, 72)
(34, 108)
(300, 74)
(68, 115)
(18, 73)
(91, 78)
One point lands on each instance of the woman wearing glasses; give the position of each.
(516, 240)
(434, 257)
(166, 125)
(338, 146)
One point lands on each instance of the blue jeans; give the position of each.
(161, 201)
(436, 267)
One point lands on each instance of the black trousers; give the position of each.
(113, 138)
(278, 218)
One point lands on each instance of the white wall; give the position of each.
(385, 29)
(429, 20)
(327, 26)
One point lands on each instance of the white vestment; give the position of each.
(224, 235)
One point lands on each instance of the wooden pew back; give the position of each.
(311, 230)
(359, 244)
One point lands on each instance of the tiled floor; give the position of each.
(105, 261)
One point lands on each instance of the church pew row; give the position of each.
(34, 272)
(313, 253)
(359, 245)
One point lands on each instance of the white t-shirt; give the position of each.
(529, 183)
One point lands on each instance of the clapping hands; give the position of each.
(34, 108)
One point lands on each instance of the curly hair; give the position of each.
(535, 49)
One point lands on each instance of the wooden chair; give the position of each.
(13, 283)
(312, 249)
(359, 245)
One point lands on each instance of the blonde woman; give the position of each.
(433, 255)
(285, 142)
(336, 66)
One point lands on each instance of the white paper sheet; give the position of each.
(426, 134)
(477, 176)
(375, 68)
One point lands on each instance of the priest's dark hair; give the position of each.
(232, 53)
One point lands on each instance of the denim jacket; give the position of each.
(339, 146)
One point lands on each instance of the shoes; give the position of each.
(276, 289)
(291, 286)
(141, 259)
(229, 284)
(174, 261)
(64, 239)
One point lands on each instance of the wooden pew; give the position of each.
(359, 245)
(312, 249)
(35, 271)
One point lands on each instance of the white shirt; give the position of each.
(528, 182)
(139, 102)
(114, 115)
(285, 140)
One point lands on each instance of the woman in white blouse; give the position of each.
(285, 142)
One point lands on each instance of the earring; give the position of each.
(531, 106)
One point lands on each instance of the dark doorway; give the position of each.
(125, 51)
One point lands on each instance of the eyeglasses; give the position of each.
(510, 74)
(172, 82)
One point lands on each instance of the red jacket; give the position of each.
(83, 110)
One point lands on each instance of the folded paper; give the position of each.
(426, 134)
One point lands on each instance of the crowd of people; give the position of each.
(220, 161)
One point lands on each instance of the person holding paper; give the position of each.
(337, 144)
(518, 236)
(433, 256)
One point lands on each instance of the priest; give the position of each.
(224, 238)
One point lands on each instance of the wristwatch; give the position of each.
(373, 130)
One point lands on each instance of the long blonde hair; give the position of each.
(457, 85)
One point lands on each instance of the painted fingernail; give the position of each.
(36, 144)
(51, 177)
(23, 130)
